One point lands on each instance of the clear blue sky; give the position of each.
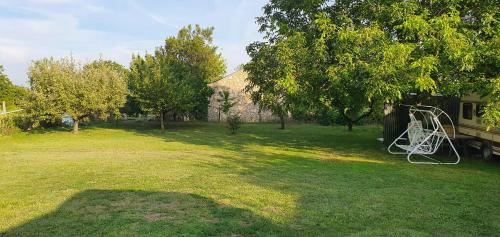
(114, 29)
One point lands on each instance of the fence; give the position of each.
(4, 109)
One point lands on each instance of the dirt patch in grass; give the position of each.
(155, 217)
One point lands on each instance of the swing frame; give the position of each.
(424, 141)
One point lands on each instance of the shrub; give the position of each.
(234, 122)
(7, 125)
(328, 117)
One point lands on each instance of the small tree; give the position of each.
(225, 103)
(149, 85)
(234, 123)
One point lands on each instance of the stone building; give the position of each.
(235, 83)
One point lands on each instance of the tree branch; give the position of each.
(366, 114)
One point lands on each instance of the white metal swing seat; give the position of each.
(424, 141)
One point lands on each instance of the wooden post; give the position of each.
(4, 108)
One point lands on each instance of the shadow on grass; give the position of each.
(134, 213)
(361, 142)
(305, 141)
(49, 130)
(340, 197)
(307, 138)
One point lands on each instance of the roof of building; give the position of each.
(230, 75)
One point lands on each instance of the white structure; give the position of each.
(4, 109)
(425, 136)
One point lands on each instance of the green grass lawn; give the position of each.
(198, 180)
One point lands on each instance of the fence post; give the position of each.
(4, 108)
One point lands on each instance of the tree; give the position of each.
(447, 47)
(63, 87)
(225, 102)
(175, 78)
(5, 85)
(234, 123)
(195, 60)
(9, 92)
(345, 66)
(359, 68)
(132, 106)
(110, 77)
(273, 73)
(149, 82)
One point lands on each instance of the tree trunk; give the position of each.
(349, 125)
(114, 118)
(218, 110)
(350, 121)
(282, 121)
(162, 123)
(75, 126)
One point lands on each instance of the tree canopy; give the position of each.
(174, 78)
(377, 51)
(226, 102)
(9, 92)
(274, 71)
(62, 86)
(5, 84)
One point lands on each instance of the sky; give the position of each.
(115, 29)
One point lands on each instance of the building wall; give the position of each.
(235, 83)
